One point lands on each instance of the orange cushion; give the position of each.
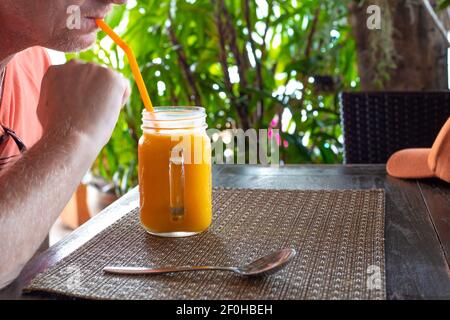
(409, 164)
(439, 158)
(423, 163)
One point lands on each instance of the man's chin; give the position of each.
(85, 42)
(75, 44)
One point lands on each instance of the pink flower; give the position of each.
(278, 137)
(274, 121)
(285, 144)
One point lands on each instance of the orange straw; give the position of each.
(133, 63)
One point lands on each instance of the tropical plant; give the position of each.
(443, 4)
(251, 64)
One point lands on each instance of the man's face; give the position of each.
(54, 23)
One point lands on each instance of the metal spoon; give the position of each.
(265, 265)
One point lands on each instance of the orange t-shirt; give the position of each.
(21, 89)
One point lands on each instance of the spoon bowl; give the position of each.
(268, 264)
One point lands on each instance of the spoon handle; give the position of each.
(140, 270)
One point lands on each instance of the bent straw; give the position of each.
(133, 63)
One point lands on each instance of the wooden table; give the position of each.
(417, 222)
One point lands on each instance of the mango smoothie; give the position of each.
(175, 174)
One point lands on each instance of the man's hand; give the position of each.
(79, 98)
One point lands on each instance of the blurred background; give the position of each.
(267, 64)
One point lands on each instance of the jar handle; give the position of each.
(176, 184)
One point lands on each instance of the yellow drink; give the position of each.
(175, 173)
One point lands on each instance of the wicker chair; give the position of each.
(376, 124)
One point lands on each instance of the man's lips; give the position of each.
(89, 16)
(90, 25)
(98, 16)
(98, 13)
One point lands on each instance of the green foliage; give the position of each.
(442, 4)
(300, 55)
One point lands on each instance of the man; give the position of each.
(53, 120)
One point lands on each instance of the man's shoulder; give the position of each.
(24, 74)
(35, 59)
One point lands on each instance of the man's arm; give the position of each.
(78, 107)
(34, 192)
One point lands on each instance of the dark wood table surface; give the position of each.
(417, 223)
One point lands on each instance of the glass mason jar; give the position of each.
(175, 172)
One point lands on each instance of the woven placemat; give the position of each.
(338, 234)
